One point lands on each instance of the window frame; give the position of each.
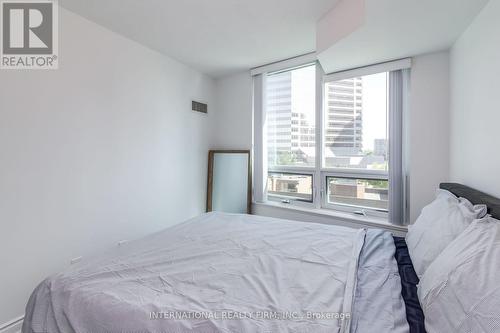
(291, 200)
(348, 173)
(319, 172)
(358, 210)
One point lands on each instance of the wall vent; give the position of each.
(199, 107)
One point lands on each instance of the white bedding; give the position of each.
(460, 292)
(378, 304)
(213, 265)
(439, 224)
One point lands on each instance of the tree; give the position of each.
(375, 183)
(286, 158)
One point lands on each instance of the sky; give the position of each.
(374, 109)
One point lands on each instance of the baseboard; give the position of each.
(13, 326)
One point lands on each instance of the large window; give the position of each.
(355, 140)
(333, 141)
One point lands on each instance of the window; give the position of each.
(290, 106)
(359, 193)
(333, 141)
(355, 139)
(289, 186)
(355, 132)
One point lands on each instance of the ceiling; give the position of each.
(217, 37)
(220, 37)
(394, 29)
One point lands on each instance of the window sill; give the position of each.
(362, 221)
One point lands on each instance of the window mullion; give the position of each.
(356, 173)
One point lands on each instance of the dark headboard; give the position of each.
(474, 196)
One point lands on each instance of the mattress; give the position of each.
(229, 273)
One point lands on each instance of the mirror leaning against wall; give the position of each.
(229, 185)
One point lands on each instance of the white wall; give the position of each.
(429, 128)
(475, 100)
(429, 123)
(103, 149)
(233, 120)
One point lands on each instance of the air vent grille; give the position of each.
(199, 107)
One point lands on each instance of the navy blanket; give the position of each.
(409, 281)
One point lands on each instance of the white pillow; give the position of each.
(460, 291)
(437, 226)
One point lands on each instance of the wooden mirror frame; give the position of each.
(210, 179)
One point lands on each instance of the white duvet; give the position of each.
(215, 273)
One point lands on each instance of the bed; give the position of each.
(409, 279)
(238, 273)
